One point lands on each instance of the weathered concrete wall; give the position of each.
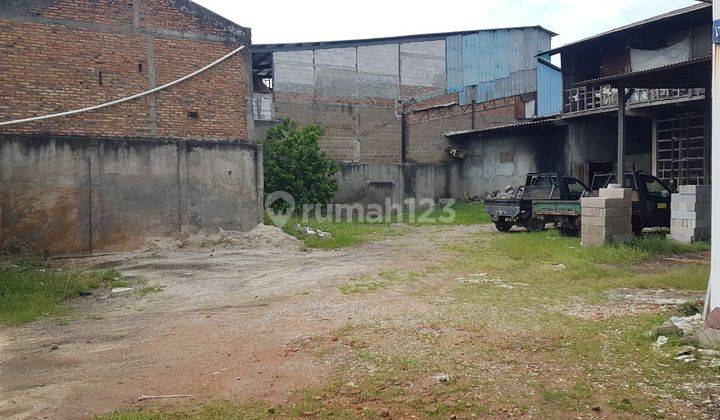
(354, 93)
(68, 195)
(590, 140)
(373, 183)
(494, 162)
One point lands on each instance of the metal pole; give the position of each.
(621, 137)
(713, 301)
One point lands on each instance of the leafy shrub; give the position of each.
(295, 164)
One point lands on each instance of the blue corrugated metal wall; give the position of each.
(494, 64)
(454, 60)
(549, 89)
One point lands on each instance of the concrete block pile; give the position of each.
(607, 218)
(690, 214)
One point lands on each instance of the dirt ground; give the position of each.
(253, 319)
(223, 325)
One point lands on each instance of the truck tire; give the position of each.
(535, 225)
(571, 232)
(637, 225)
(503, 225)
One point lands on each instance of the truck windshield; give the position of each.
(655, 188)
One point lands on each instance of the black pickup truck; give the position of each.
(650, 207)
(514, 206)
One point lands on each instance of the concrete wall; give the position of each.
(496, 161)
(373, 183)
(354, 93)
(590, 140)
(66, 195)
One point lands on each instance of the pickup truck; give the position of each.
(515, 205)
(650, 208)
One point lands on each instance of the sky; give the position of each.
(303, 21)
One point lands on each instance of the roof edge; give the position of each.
(536, 121)
(639, 23)
(213, 18)
(388, 39)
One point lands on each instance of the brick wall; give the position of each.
(66, 54)
(429, 121)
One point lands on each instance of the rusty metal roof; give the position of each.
(693, 73)
(380, 41)
(536, 122)
(634, 25)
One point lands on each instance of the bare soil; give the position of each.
(224, 325)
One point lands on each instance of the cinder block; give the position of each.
(674, 206)
(620, 193)
(689, 223)
(703, 233)
(683, 198)
(593, 202)
(606, 212)
(697, 215)
(695, 189)
(593, 220)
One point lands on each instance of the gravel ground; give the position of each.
(223, 325)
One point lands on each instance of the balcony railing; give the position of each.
(598, 98)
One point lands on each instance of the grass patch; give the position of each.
(458, 214)
(347, 233)
(342, 234)
(362, 287)
(143, 291)
(29, 290)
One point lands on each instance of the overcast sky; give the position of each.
(302, 20)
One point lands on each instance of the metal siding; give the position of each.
(501, 54)
(471, 59)
(549, 90)
(453, 44)
(485, 91)
(500, 63)
(517, 50)
(465, 96)
(516, 83)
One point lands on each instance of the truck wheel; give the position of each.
(535, 224)
(565, 231)
(637, 225)
(503, 225)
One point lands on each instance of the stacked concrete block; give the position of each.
(690, 214)
(607, 218)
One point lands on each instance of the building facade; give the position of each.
(387, 103)
(662, 65)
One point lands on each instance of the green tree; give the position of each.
(295, 164)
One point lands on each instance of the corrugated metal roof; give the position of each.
(544, 121)
(606, 79)
(384, 40)
(634, 25)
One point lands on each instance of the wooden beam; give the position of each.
(622, 100)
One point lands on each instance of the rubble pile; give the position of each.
(310, 231)
(687, 328)
(508, 193)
